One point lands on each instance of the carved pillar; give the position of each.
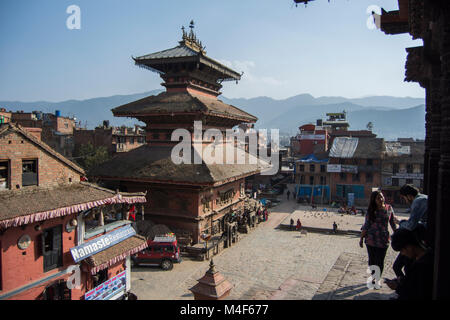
(442, 222)
(433, 145)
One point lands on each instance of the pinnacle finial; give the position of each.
(212, 268)
(191, 25)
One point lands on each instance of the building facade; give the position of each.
(47, 214)
(355, 169)
(115, 139)
(312, 180)
(403, 162)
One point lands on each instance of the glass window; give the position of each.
(311, 180)
(312, 168)
(369, 177)
(395, 168)
(369, 162)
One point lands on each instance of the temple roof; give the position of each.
(181, 102)
(190, 49)
(179, 51)
(154, 164)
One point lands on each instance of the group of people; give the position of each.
(298, 227)
(262, 214)
(414, 264)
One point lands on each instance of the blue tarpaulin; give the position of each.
(305, 190)
(311, 158)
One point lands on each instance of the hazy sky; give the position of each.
(325, 49)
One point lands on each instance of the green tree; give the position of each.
(88, 156)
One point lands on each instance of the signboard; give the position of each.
(312, 137)
(334, 168)
(337, 168)
(109, 288)
(101, 243)
(349, 168)
(408, 176)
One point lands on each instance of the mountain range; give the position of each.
(392, 117)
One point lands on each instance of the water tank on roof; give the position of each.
(58, 113)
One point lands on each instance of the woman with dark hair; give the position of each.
(375, 229)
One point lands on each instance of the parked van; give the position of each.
(161, 251)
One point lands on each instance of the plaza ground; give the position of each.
(273, 263)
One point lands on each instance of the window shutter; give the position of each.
(57, 246)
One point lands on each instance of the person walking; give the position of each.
(334, 227)
(375, 230)
(292, 224)
(299, 225)
(288, 193)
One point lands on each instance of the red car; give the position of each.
(161, 251)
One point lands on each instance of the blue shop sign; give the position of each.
(101, 243)
(108, 289)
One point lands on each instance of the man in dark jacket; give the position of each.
(418, 281)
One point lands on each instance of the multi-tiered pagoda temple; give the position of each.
(197, 198)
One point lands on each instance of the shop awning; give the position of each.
(38, 204)
(116, 253)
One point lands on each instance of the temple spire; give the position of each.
(190, 39)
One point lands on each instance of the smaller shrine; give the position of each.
(212, 286)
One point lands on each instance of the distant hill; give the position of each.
(392, 117)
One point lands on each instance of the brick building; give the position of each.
(46, 213)
(312, 179)
(355, 168)
(403, 162)
(198, 198)
(5, 116)
(115, 139)
(57, 131)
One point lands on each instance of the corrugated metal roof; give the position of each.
(343, 147)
